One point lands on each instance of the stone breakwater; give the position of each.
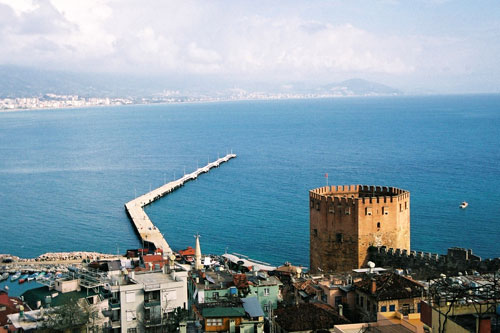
(50, 262)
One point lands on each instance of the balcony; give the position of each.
(114, 304)
(115, 324)
(152, 321)
(148, 303)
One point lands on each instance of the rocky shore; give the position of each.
(50, 261)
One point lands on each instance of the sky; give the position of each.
(418, 46)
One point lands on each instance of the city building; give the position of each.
(306, 317)
(388, 292)
(143, 300)
(346, 220)
(214, 286)
(8, 305)
(243, 315)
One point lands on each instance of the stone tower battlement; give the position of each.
(346, 220)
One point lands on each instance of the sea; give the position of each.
(66, 174)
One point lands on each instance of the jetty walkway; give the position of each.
(147, 231)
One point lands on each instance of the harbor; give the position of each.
(149, 234)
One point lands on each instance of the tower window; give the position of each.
(331, 209)
(315, 232)
(385, 210)
(368, 211)
(406, 204)
(340, 238)
(347, 210)
(378, 226)
(400, 207)
(312, 203)
(317, 205)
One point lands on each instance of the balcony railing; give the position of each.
(152, 321)
(151, 302)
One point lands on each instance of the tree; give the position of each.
(74, 314)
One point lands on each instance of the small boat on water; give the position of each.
(15, 276)
(48, 276)
(59, 275)
(463, 205)
(32, 276)
(4, 276)
(40, 276)
(23, 278)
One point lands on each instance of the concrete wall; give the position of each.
(346, 220)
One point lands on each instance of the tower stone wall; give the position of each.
(346, 220)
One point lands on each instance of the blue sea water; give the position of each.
(66, 174)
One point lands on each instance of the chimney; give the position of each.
(373, 287)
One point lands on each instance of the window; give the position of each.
(406, 204)
(266, 291)
(315, 232)
(378, 226)
(266, 308)
(214, 322)
(368, 211)
(215, 295)
(418, 307)
(392, 307)
(131, 330)
(400, 207)
(312, 203)
(383, 308)
(317, 205)
(130, 296)
(347, 210)
(131, 315)
(331, 209)
(340, 238)
(385, 210)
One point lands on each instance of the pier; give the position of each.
(147, 231)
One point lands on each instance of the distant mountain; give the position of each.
(360, 87)
(18, 81)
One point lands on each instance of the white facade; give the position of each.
(146, 298)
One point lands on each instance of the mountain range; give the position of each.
(18, 81)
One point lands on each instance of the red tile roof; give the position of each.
(187, 252)
(11, 306)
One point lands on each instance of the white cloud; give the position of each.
(196, 37)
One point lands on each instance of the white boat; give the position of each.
(4, 276)
(15, 276)
(463, 205)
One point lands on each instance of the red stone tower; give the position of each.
(346, 220)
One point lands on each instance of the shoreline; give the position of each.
(245, 99)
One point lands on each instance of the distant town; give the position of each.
(54, 101)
